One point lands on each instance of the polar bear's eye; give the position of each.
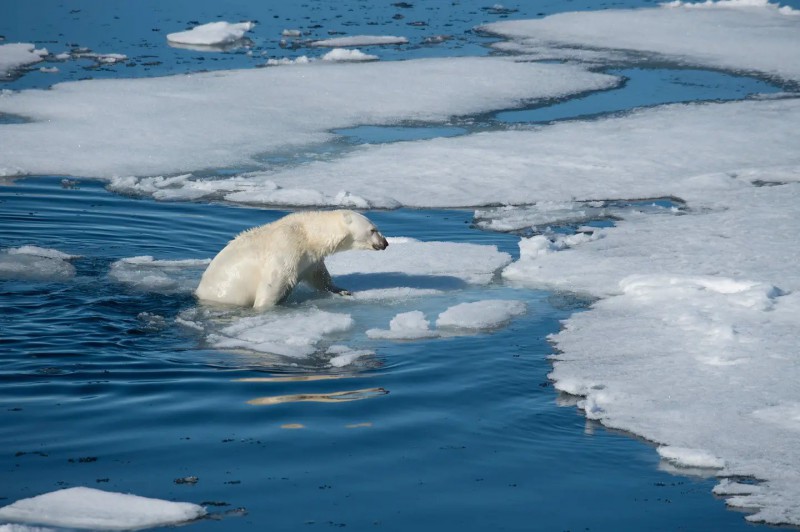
(373, 231)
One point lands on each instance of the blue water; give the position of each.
(102, 388)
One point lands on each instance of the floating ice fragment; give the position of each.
(406, 326)
(359, 40)
(88, 508)
(162, 276)
(486, 314)
(212, 34)
(291, 333)
(342, 54)
(33, 263)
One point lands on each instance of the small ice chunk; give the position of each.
(212, 34)
(360, 40)
(486, 314)
(89, 508)
(398, 293)
(162, 276)
(405, 326)
(302, 60)
(33, 263)
(342, 54)
(291, 33)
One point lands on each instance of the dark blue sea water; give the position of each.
(101, 386)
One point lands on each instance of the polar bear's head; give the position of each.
(363, 233)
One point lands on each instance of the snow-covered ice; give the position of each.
(290, 333)
(359, 40)
(34, 263)
(415, 264)
(411, 325)
(17, 55)
(152, 127)
(89, 508)
(457, 320)
(486, 314)
(211, 34)
(344, 54)
(567, 161)
(739, 35)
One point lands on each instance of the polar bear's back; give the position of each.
(270, 257)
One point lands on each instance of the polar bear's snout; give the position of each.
(382, 243)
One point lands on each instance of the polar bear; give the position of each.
(262, 265)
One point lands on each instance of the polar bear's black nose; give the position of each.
(382, 244)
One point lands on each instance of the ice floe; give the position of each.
(360, 40)
(460, 319)
(16, 55)
(211, 34)
(152, 127)
(566, 161)
(415, 264)
(291, 333)
(741, 35)
(343, 54)
(34, 263)
(486, 314)
(89, 508)
(163, 276)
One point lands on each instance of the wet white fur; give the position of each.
(262, 265)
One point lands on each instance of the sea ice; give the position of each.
(486, 314)
(17, 55)
(740, 35)
(152, 127)
(343, 54)
(411, 325)
(212, 34)
(414, 264)
(359, 40)
(162, 276)
(33, 263)
(88, 508)
(286, 332)
(569, 161)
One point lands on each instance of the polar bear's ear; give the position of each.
(348, 217)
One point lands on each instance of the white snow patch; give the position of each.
(359, 40)
(486, 314)
(17, 55)
(163, 276)
(212, 34)
(33, 263)
(342, 54)
(88, 508)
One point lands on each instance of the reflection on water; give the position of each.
(333, 397)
